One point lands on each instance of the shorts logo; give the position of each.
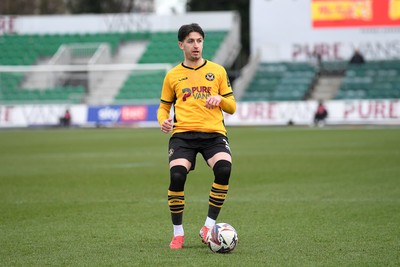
(210, 76)
(170, 152)
(226, 145)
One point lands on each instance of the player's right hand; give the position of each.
(166, 126)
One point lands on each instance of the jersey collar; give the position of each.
(205, 62)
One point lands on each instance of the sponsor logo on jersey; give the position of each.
(210, 76)
(182, 79)
(186, 93)
(197, 92)
(201, 92)
(170, 152)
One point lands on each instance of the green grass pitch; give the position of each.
(298, 197)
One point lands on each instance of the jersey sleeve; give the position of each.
(166, 101)
(228, 102)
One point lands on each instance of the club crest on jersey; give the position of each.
(186, 93)
(210, 77)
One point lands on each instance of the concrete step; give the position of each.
(326, 87)
(128, 53)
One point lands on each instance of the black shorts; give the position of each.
(186, 145)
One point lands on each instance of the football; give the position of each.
(222, 238)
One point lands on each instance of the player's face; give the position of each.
(192, 46)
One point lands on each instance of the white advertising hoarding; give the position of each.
(40, 115)
(385, 112)
(380, 112)
(128, 22)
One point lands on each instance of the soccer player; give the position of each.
(199, 91)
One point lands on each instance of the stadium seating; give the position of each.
(280, 82)
(287, 81)
(372, 80)
(28, 49)
(162, 48)
(142, 85)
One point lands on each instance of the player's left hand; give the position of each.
(213, 101)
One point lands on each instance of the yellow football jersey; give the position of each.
(187, 90)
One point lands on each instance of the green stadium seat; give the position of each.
(372, 80)
(280, 82)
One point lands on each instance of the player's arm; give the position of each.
(165, 106)
(225, 99)
(163, 111)
(163, 116)
(228, 102)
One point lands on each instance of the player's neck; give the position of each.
(193, 63)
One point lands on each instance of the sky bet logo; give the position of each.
(123, 114)
(198, 92)
(109, 114)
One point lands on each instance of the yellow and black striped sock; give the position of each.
(176, 203)
(217, 197)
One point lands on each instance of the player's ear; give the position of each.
(180, 44)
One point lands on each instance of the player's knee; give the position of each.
(178, 178)
(222, 172)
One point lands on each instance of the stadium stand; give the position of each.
(372, 80)
(162, 48)
(142, 85)
(292, 81)
(280, 82)
(27, 50)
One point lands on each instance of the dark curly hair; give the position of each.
(184, 31)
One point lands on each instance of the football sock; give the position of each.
(216, 200)
(209, 222)
(178, 230)
(176, 195)
(176, 203)
(219, 189)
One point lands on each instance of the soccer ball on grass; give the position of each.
(222, 238)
